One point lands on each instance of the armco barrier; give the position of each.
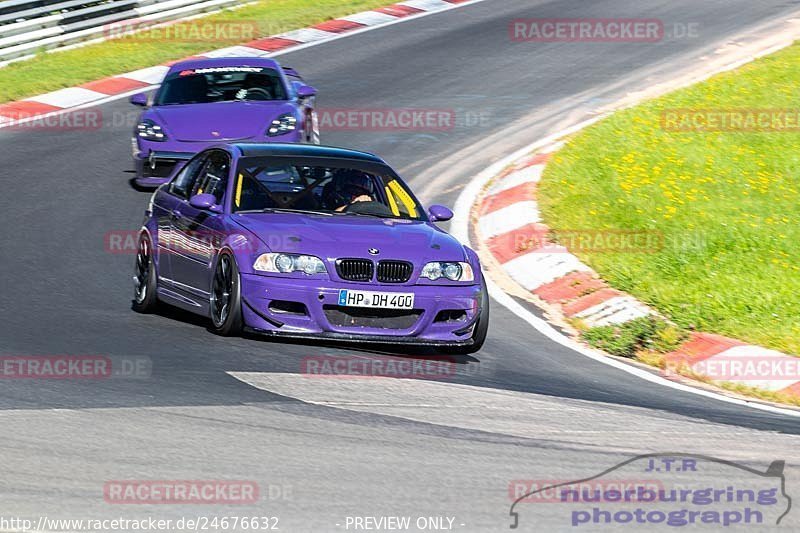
(27, 27)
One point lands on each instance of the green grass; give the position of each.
(641, 334)
(51, 71)
(726, 204)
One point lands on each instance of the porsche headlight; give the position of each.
(150, 131)
(285, 263)
(282, 125)
(449, 270)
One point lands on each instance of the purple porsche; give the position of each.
(308, 241)
(203, 102)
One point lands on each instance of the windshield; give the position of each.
(221, 84)
(267, 184)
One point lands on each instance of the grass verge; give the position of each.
(627, 339)
(51, 71)
(725, 203)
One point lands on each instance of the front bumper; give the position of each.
(158, 160)
(442, 316)
(158, 168)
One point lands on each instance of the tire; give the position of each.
(225, 304)
(145, 292)
(481, 329)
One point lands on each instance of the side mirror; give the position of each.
(203, 201)
(139, 99)
(306, 91)
(439, 213)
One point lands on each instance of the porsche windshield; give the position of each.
(221, 84)
(264, 185)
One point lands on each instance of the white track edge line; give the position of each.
(101, 101)
(460, 229)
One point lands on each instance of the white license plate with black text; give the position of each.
(376, 300)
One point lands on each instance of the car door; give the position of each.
(163, 204)
(174, 197)
(199, 231)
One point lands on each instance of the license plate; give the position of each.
(376, 300)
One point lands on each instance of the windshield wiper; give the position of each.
(376, 215)
(286, 210)
(188, 102)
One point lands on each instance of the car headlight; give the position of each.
(449, 270)
(285, 263)
(282, 125)
(150, 131)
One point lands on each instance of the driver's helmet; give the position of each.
(346, 185)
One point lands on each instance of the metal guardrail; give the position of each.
(28, 27)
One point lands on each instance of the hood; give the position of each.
(333, 237)
(219, 122)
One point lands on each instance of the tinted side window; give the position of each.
(185, 179)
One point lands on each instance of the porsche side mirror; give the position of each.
(139, 99)
(306, 91)
(439, 213)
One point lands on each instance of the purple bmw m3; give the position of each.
(308, 241)
(203, 102)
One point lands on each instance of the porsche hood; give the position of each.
(221, 121)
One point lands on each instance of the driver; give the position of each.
(349, 187)
(255, 87)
